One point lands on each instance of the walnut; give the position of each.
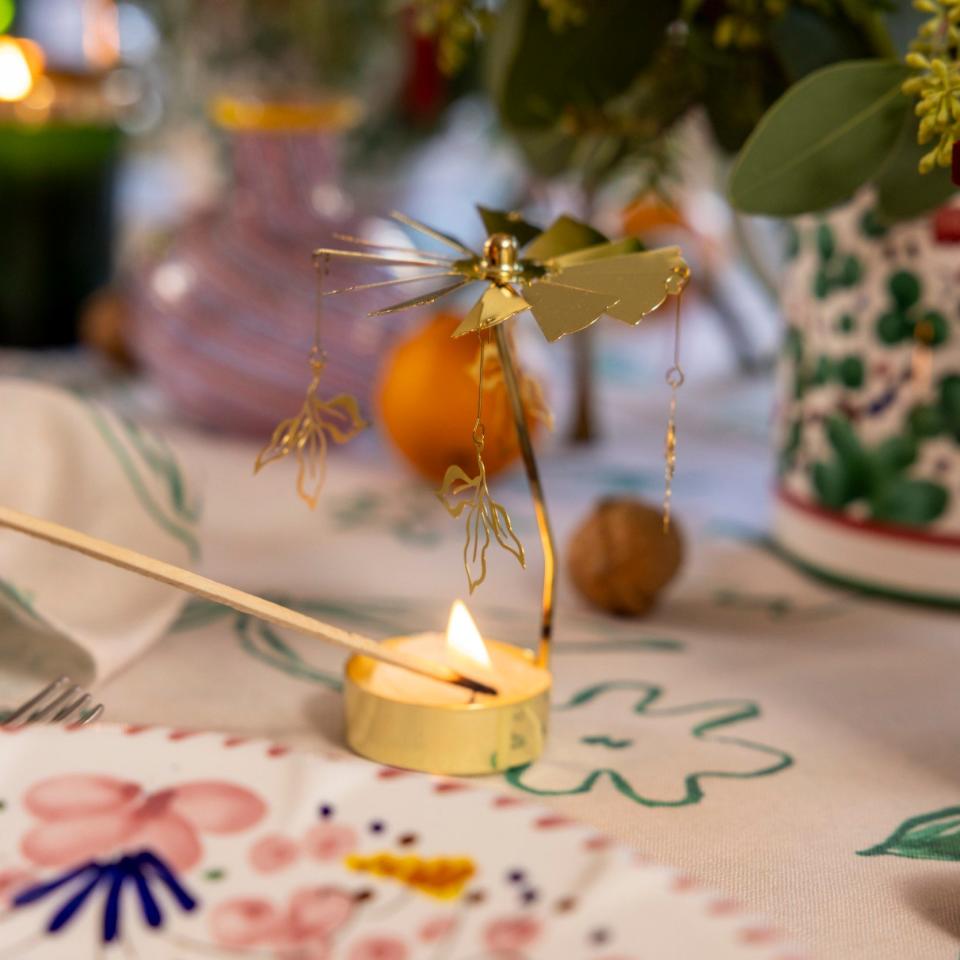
(620, 557)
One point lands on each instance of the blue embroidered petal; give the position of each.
(151, 910)
(65, 914)
(165, 874)
(41, 890)
(120, 873)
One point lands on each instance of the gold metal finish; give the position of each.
(486, 519)
(539, 501)
(333, 113)
(568, 276)
(485, 736)
(306, 435)
(675, 378)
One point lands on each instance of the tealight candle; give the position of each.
(402, 719)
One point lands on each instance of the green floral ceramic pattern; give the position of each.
(620, 733)
(835, 270)
(870, 404)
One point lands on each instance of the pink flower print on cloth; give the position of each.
(85, 816)
(302, 931)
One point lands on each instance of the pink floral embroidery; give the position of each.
(12, 882)
(303, 931)
(329, 841)
(245, 922)
(436, 929)
(85, 816)
(315, 913)
(512, 933)
(379, 948)
(273, 853)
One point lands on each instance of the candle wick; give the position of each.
(475, 686)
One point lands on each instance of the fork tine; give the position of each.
(48, 711)
(77, 706)
(92, 715)
(31, 704)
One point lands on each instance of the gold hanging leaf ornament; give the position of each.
(567, 275)
(305, 436)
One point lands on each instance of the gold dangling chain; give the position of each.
(675, 378)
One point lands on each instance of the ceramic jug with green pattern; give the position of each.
(869, 409)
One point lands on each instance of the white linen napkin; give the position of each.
(67, 459)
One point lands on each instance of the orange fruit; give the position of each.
(648, 214)
(427, 401)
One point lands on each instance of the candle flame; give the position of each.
(463, 637)
(21, 61)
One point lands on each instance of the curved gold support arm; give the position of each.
(536, 490)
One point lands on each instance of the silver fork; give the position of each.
(59, 702)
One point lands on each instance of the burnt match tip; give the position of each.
(475, 685)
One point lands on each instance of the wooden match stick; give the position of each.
(230, 597)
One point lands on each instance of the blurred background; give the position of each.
(166, 168)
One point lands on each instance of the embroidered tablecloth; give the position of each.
(787, 743)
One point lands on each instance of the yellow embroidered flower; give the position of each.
(441, 877)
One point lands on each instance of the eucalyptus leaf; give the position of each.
(535, 73)
(930, 836)
(822, 140)
(902, 191)
(804, 40)
(736, 92)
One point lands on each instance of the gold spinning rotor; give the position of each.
(567, 276)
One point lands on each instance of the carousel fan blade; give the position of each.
(564, 235)
(423, 300)
(435, 234)
(560, 309)
(495, 306)
(636, 282)
(504, 221)
(391, 283)
(324, 252)
(600, 251)
(412, 251)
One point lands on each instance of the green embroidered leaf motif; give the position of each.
(930, 836)
(823, 139)
(667, 777)
(613, 743)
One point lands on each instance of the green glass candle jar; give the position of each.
(56, 226)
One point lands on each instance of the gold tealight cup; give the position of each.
(404, 720)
